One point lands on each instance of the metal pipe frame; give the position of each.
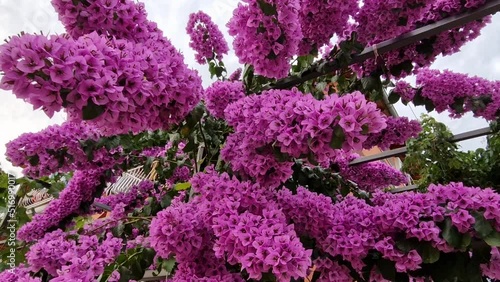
(401, 151)
(490, 8)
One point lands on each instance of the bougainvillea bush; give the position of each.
(249, 178)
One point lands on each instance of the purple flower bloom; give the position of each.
(206, 38)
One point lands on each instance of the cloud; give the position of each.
(16, 117)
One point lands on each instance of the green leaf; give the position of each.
(365, 129)
(338, 138)
(80, 222)
(267, 8)
(406, 66)
(344, 190)
(182, 186)
(429, 253)
(370, 83)
(481, 225)
(168, 265)
(4, 180)
(92, 111)
(117, 231)
(21, 216)
(429, 106)
(125, 274)
(211, 69)
(34, 160)
(453, 237)
(166, 201)
(219, 71)
(458, 105)
(190, 146)
(107, 272)
(147, 257)
(320, 86)
(393, 97)
(387, 268)
(481, 252)
(406, 245)
(493, 239)
(418, 99)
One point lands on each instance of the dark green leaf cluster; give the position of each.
(434, 158)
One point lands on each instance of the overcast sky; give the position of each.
(480, 57)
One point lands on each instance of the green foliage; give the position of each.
(338, 138)
(255, 83)
(216, 68)
(320, 180)
(453, 237)
(182, 186)
(92, 111)
(268, 9)
(132, 264)
(433, 158)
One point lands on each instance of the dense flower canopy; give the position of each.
(267, 35)
(119, 86)
(475, 94)
(57, 149)
(79, 192)
(251, 178)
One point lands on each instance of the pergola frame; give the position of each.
(489, 8)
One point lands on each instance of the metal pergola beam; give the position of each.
(102, 206)
(404, 188)
(490, 8)
(401, 151)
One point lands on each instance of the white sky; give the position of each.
(480, 57)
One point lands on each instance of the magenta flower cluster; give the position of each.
(266, 35)
(331, 271)
(372, 176)
(405, 91)
(180, 174)
(122, 19)
(397, 132)
(295, 125)
(220, 94)
(478, 95)
(320, 20)
(119, 85)
(206, 38)
(492, 269)
(179, 230)
(353, 227)
(161, 151)
(79, 190)
(235, 75)
(246, 224)
(20, 273)
(67, 259)
(232, 220)
(379, 21)
(58, 149)
(123, 203)
(205, 267)
(153, 152)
